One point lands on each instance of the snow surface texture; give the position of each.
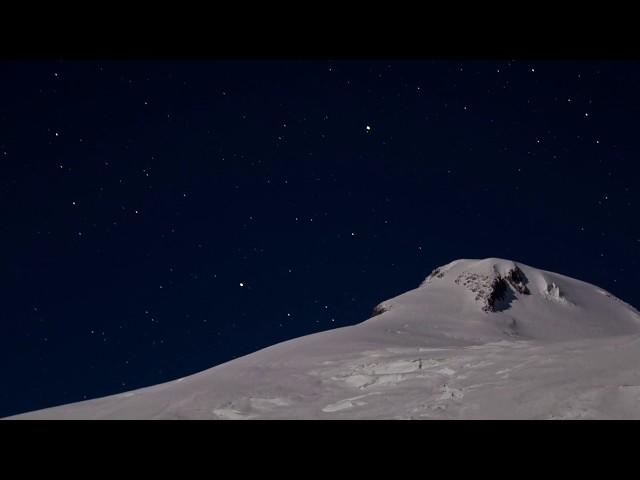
(477, 339)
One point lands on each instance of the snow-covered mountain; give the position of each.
(485, 338)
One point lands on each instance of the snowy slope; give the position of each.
(477, 339)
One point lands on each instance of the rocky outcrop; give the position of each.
(518, 280)
(495, 292)
(378, 310)
(436, 273)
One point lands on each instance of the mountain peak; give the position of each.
(497, 297)
(488, 338)
(494, 281)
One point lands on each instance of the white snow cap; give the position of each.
(494, 295)
(489, 338)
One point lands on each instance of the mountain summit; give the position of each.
(487, 299)
(489, 338)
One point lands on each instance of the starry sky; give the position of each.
(162, 217)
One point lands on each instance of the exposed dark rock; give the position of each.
(494, 291)
(518, 280)
(378, 310)
(436, 273)
(497, 293)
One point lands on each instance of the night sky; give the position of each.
(162, 217)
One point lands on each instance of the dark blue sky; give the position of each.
(138, 196)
